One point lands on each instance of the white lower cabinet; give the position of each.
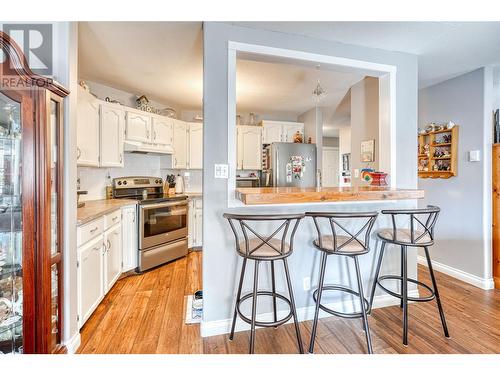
(195, 222)
(129, 238)
(107, 247)
(112, 256)
(90, 278)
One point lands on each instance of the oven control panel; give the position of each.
(137, 182)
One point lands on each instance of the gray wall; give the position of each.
(313, 128)
(460, 232)
(364, 123)
(331, 141)
(220, 263)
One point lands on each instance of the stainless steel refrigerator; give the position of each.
(290, 164)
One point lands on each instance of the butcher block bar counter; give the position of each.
(280, 195)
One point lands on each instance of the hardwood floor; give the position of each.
(145, 314)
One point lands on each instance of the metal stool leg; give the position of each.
(401, 284)
(318, 301)
(254, 305)
(436, 293)
(405, 296)
(363, 308)
(377, 272)
(235, 314)
(292, 304)
(273, 281)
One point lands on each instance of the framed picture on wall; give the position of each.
(368, 151)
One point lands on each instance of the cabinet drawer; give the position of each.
(112, 219)
(86, 232)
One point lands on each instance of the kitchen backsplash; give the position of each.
(95, 180)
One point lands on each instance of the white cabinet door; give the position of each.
(87, 129)
(138, 126)
(111, 143)
(239, 148)
(191, 223)
(129, 238)
(290, 130)
(179, 159)
(89, 278)
(198, 236)
(195, 146)
(112, 256)
(163, 130)
(271, 132)
(250, 149)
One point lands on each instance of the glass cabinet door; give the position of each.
(55, 156)
(11, 227)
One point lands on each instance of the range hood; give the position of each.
(147, 148)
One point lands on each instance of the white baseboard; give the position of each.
(221, 327)
(469, 278)
(73, 343)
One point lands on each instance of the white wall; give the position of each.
(220, 261)
(94, 180)
(463, 230)
(364, 123)
(313, 128)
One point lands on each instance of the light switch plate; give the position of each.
(221, 171)
(475, 155)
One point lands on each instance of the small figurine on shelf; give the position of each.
(297, 137)
(446, 138)
(427, 149)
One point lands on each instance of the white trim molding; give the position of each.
(466, 277)
(73, 343)
(221, 327)
(386, 73)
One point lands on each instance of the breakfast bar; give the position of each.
(284, 195)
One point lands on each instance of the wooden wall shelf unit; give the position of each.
(435, 141)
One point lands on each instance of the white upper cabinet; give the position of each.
(111, 140)
(280, 131)
(249, 147)
(163, 130)
(179, 158)
(138, 126)
(195, 160)
(87, 129)
(271, 132)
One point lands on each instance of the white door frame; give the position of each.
(387, 88)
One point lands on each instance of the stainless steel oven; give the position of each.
(162, 222)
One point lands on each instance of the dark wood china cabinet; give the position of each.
(31, 206)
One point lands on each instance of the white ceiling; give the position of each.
(445, 49)
(164, 59)
(270, 87)
(160, 59)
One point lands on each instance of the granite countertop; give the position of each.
(94, 209)
(280, 195)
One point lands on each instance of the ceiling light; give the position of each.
(319, 93)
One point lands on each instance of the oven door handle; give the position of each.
(162, 205)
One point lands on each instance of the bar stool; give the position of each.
(420, 234)
(349, 245)
(264, 248)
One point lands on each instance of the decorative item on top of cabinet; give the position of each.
(437, 151)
